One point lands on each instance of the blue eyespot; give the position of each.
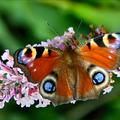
(20, 57)
(23, 59)
(98, 78)
(49, 86)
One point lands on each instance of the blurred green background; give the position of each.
(28, 22)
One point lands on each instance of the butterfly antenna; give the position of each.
(53, 29)
(77, 31)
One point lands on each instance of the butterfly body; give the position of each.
(75, 73)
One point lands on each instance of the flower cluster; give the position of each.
(14, 84)
(94, 32)
(59, 42)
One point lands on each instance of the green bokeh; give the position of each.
(28, 22)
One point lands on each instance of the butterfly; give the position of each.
(78, 73)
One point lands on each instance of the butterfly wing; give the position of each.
(91, 80)
(60, 91)
(103, 51)
(98, 55)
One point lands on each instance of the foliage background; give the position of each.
(25, 22)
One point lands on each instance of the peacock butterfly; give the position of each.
(76, 72)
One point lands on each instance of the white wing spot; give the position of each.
(31, 65)
(112, 51)
(110, 57)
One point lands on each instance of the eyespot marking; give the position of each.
(98, 78)
(28, 52)
(111, 38)
(49, 86)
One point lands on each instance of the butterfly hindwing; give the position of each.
(91, 81)
(62, 86)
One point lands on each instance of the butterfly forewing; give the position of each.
(103, 51)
